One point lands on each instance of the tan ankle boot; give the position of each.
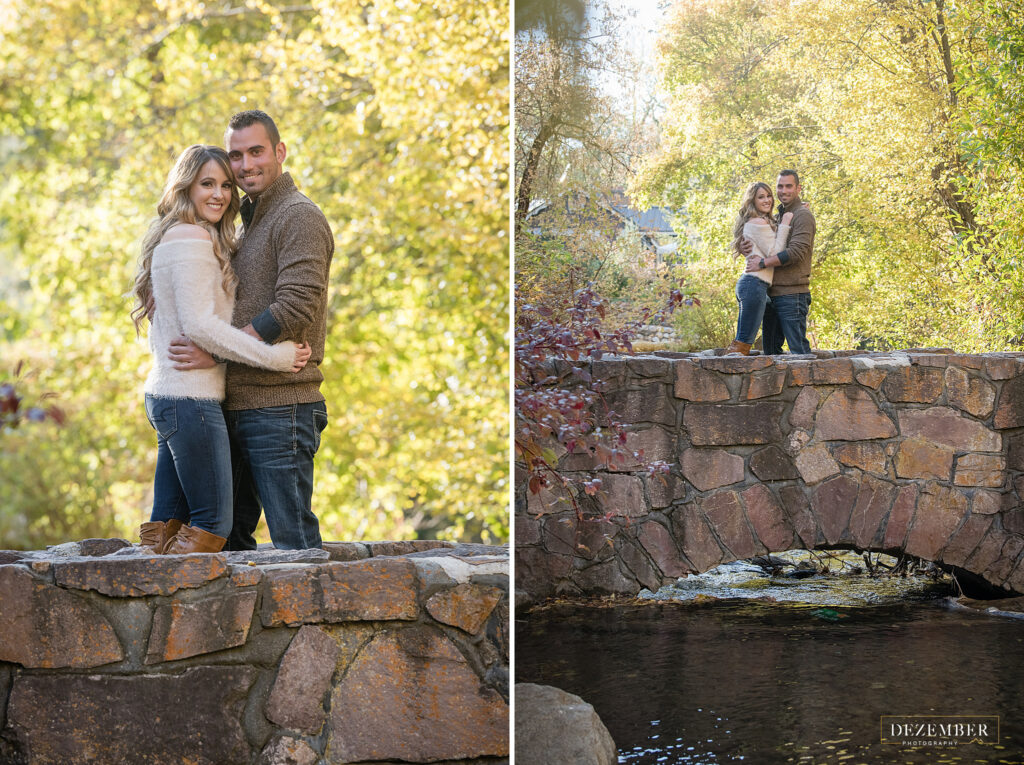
(154, 536)
(737, 347)
(189, 539)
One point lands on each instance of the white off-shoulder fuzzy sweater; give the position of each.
(191, 301)
(766, 243)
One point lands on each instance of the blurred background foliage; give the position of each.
(395, 115)
(903, 119)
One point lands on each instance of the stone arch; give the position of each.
(917, 452)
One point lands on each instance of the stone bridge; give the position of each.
(918, 452)
(360, 652)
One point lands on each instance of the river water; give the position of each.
(735, 666)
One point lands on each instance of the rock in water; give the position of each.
(803, 570)
(770, 564)
(555, 726)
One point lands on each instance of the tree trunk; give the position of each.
(525, 194)
(962, 219)
(942, 41)
(962, 214)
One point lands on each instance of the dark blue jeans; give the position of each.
(272, 451)
(752, 295)
(193, 463)
(785, 318)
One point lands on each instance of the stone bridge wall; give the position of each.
(919, 452)
(393, 652)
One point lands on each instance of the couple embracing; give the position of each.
(237, 330)
(775, 289)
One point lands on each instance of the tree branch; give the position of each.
(157, 42)
(942, 40)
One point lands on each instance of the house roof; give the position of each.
(654, 220)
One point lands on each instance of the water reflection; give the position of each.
(749, 681)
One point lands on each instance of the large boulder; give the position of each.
(555, 726)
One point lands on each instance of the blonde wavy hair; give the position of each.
(748, 211)
(176, 207)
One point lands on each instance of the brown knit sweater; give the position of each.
(793, 276)
(282, 264)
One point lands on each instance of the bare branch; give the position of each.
(224, 14)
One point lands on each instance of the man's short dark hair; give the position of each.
(248, 119)
(796, 178)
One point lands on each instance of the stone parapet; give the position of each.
(918, 451)
(360, 652)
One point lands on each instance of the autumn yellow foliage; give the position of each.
(889, 112)
(395, 114)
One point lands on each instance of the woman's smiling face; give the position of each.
(763, 201)
(211, 192)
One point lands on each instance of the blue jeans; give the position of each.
(193, 463)
(272, 450)
(785, 318)
(752, 294)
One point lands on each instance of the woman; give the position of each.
(755, 222)
(185, 269)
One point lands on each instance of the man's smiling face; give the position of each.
(256, 163)
(785, 188)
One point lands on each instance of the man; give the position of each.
(274, 418)
(785, 315)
